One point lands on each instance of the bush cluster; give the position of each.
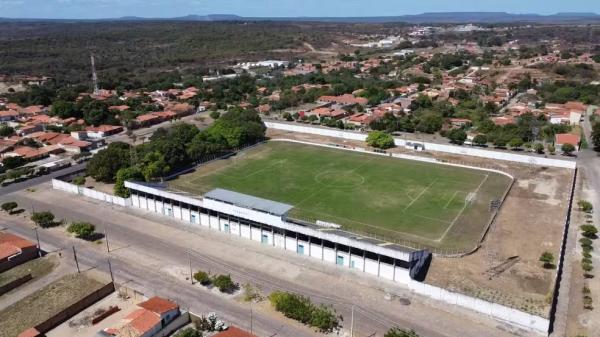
(300, 308)
(223, 282)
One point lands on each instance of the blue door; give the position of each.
(352, 264)
(226, 228)
(264, 239)
(339, 261)
(300, 249)
(193, 219)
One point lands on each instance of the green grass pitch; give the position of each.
(390, 198)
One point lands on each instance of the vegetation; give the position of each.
(43, 219)
(585, 206)
(203, 278)
(9, 207)
(224, 283)
(458, 136)
(300, 308)
(548, 260)
(79, 181)
(188, 332)
(567, 149)
(82, 230)
(380, 140)
(397, 332)
(589, 231)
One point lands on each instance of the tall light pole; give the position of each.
(37, 237)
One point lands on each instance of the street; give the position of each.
(39, 180)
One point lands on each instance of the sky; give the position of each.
(94, 9)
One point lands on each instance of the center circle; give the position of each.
(339, 178)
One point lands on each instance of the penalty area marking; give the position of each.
(418, 196)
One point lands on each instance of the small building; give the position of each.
(153, 315)
(567, 138)
(102, 131)
(234, 332)
(15, 250)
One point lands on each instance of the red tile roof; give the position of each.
(234, 332)
(142, 321)
(567, 138)
(158, 305)
(11, 244)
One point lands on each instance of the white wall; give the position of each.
(90, 193)
(463, 150)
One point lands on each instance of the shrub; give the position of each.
(480, 140)
(79, 181)
(188, 332)
(251, 293)
(589, 231)
(43, 219)
(397, 332)
(585, 206)
(538, 148)
(548, 259)
(551, 149)
(587, 267)
(9, 207)
(380, 140)
(585, 242)
(224, 283)
(203, 278)
(214, 114)
(301, 309)
(82, 230)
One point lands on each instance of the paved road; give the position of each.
(39, 180)
(153, 280)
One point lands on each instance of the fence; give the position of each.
(74, 309)
(409, 143)
(90, 193)
(512, 316)
(15, 283)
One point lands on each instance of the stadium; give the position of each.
(367, 211)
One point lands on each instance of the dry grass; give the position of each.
(46, 302)
(37, 268)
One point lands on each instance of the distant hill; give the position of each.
(424, 18)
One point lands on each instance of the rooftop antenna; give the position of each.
(94, 75)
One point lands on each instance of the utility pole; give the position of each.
(251, 320)
(106, 239)
(352, 322)
(112, 278)
(37, 237)
(191, 273)
(76, 262)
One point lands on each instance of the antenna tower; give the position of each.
(94, 75)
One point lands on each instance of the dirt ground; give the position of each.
(99, 186)
(505, 269)
(80, 325)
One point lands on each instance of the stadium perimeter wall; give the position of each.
(461, 150)
(58, 184)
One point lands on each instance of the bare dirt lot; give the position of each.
(505, 269)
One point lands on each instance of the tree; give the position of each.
(124, 174)
(596, 135)
(515, 143)
(548, 260)
(585, 206)
(551, 149)
(106, 163)
(13, 162)
(9, 207)
(287, 116)
(380, 140)
(224, 283)
(397, 332)
(457, 136)
(6, 130)
(203, 278)
(79, 181)
(154, 166)
(43, 219)
(82, 230)
(214, 114)
(538, 148)
(480, 140)
(568, 149)
(589, 231)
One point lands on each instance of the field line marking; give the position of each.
(419, 196)
(277, 163)
(330, 186)
(449, 201)
(462, 210)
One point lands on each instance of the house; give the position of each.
(234, 332)
(152, 316)
(8, 115)
(102, 131)
(346, 99)
(15, 250)
(459, 122)
(567, 138)
(359, 119)
(504, 120)
(29, 129)
(264, 108)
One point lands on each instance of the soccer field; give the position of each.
(390, 198)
